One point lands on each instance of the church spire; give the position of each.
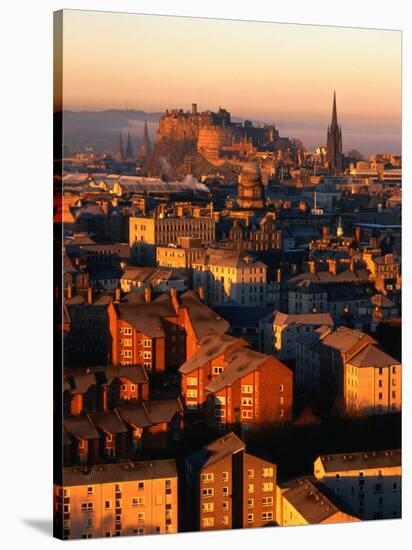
(145, 147)
(334, 112)
(334, 143)
(129, 149)
(120, 149)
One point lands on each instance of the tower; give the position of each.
(334, 143)
(145, 147)
(129, 149)
(250, 188)
(120, 149)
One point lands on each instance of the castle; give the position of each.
(217, 137)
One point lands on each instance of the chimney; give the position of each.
(148, 294)
(194, 108)
(69, 292)
(117, 294)
(90, 295)
(201, 291)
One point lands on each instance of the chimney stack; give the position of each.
(194, 108)
(90, 295)
(148, 294)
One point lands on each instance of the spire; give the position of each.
(120, 149)
(145, 147)
(334, 112)
(129, 150)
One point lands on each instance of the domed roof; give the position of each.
(251, 168)
(250, 174)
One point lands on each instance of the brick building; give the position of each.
(229, 488)
(231, 384)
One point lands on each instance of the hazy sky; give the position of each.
(278, 73)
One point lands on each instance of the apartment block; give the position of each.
(368, 482)
(304, 503)
(231, 384)
(229, 487)
(288, 328)
(133, 498)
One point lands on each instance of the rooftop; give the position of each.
(118, 473)
(361, 460)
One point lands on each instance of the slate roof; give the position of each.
(372, 356)
(362, 460)
(118, 473)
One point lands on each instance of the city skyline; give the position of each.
(327, 57)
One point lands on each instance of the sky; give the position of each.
(270, 72)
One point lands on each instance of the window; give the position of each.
(225, 491)
(247, 414)
(87, 506)
(395, 487)
(128, 342)
(225, 520)
(225, 476)
(208, 522)
(127, 353)
(266, 487)
(140, 517)
(207, 477)
(281, 388)
(267, 501)
(250, 518)
(220, 413)
(207, 492)
(208, 507)
(140, 486)
(147, 343)
(251, 474)
(247, 401)
(250, 502)
(127, 330)
(89, 522)
(247, 388)
(90, 491)
(250, 488)
(138, 502)
(147, 355)
(267, 516)
(192, 381)
(108, 505)
(124, 387)
(217, 370)
(191, 393)
(267, 472)
(225, 505)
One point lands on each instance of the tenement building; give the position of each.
(146, 233)
(230, 276)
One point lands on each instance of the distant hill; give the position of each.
(100, 129)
